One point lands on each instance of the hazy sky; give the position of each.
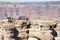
(26, 0)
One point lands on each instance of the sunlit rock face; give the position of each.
(32, 38)
(35, 31)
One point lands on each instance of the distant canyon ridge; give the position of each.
(31, 10)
